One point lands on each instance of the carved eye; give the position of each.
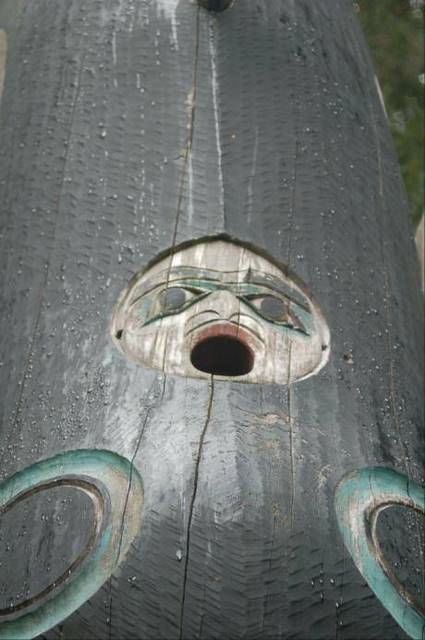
(168, 302)
(173, 298)
(271, 307)
(274, 308)
(277, 310)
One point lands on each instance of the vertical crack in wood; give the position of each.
(189, 143)
(270, 559)
(291, 442)
(192, 502)
(127, 497)
(289, 255)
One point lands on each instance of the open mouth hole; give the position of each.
(222, 356)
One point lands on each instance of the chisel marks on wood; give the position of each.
(42, 292)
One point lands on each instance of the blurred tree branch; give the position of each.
(394, 30)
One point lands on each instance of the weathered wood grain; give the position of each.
(3, 53)
(127, 127)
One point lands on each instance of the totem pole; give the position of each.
(211, 346)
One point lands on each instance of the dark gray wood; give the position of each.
(129, 126)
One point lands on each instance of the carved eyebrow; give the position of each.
(165, 277)
(266, 280)
(293, 296)
(277, 284)
(213, 274)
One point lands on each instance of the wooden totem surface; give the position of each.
(126, 128)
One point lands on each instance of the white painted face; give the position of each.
(217, 308)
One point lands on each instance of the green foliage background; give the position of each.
(395, 33)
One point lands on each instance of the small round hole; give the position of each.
(118, 334)
(215, 5)
(222, 356)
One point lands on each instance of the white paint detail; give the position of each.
(381, 96)
(167, 9)
(189, 106)
(3, 52)
(165, 341)
(114, 48)
(214, 81)
(190, 187)
(252, 175)
(420, 244)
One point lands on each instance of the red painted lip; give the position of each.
(222, 328)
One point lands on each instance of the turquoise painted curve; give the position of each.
(358, 497)
(123, 486)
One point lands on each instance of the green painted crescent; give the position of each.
(115, 488)
(359, 498)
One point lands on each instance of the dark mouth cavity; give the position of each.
(222, 356)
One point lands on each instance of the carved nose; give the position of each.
(223, 348)
(224, 302)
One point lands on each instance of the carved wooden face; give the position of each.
(216, 308)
